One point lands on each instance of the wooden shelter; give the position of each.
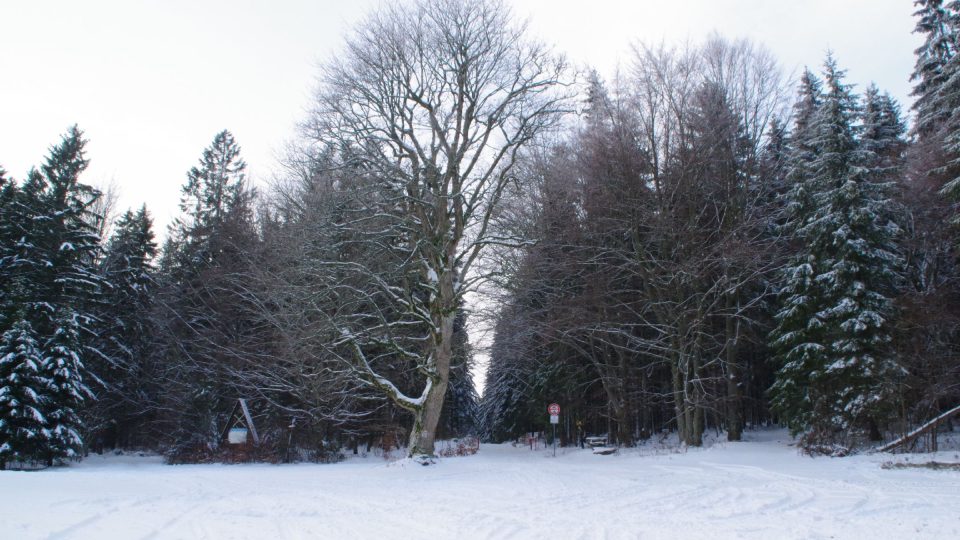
(240, 428)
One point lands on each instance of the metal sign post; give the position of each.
(554, 410)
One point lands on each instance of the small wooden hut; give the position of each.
(240, 429)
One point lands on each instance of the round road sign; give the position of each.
(553, 409)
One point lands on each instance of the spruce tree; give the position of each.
(939, 22)
(23, 264)
(947, 103)
(214, 197)
(773, 158)
(203, 257)
(128, 267)
(459, 416)
(838, 376)
(125, 382)
(802, 151)
(8, 238)
(882, 136)
(62, 373)
(8, 194)
(937, 91)
(23, 427)
(511, 374)
(796, 340)
(58, 244)
(854, 239)
(50, 280)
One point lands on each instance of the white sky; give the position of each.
(151, 82)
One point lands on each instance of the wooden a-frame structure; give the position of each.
(240, 415)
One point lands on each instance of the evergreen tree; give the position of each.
(773, 157)
(58, 245)
(797, 344)
(9, 195)
(938, 22)
(937, 91)
(882, 136)
(858, 255)
(459, 416)
(215, 194)
(796, 340)
(947, 103)
(209, 325)
(126, 333)
(51, 283)
(833, 330)
(23, 427)
(23, 262)
(73, 226)
(62, 374)
(802, 151)
(508, 378)
(128, 267)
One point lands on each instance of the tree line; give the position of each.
(710, 255)
(689, 246)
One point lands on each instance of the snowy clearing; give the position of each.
(757, 489)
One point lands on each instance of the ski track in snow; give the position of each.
(761, 489)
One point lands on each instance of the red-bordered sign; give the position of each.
(553, 409)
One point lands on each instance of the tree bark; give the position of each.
(734, 419)
(678, 398)
(427, 417)
(423, 434)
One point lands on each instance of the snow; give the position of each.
(758, 489)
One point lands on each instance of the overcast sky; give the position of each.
(151, 82)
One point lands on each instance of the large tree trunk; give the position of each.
(423, 434)
(427, 417)
(692, 398)
(696, 435)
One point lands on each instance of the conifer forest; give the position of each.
(700, 243)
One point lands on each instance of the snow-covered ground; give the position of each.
(757, 489)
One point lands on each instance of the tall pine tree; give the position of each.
(938, 22)
(126, 383)
(23, 427)
(209, 324)
(937, 91)
(796, 341)
(51, 286)
(837, 374)
(62, 374)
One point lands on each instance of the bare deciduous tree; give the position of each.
(702, 243)
(434, 100)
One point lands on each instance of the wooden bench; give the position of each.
(599, 445)
(594, 442)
